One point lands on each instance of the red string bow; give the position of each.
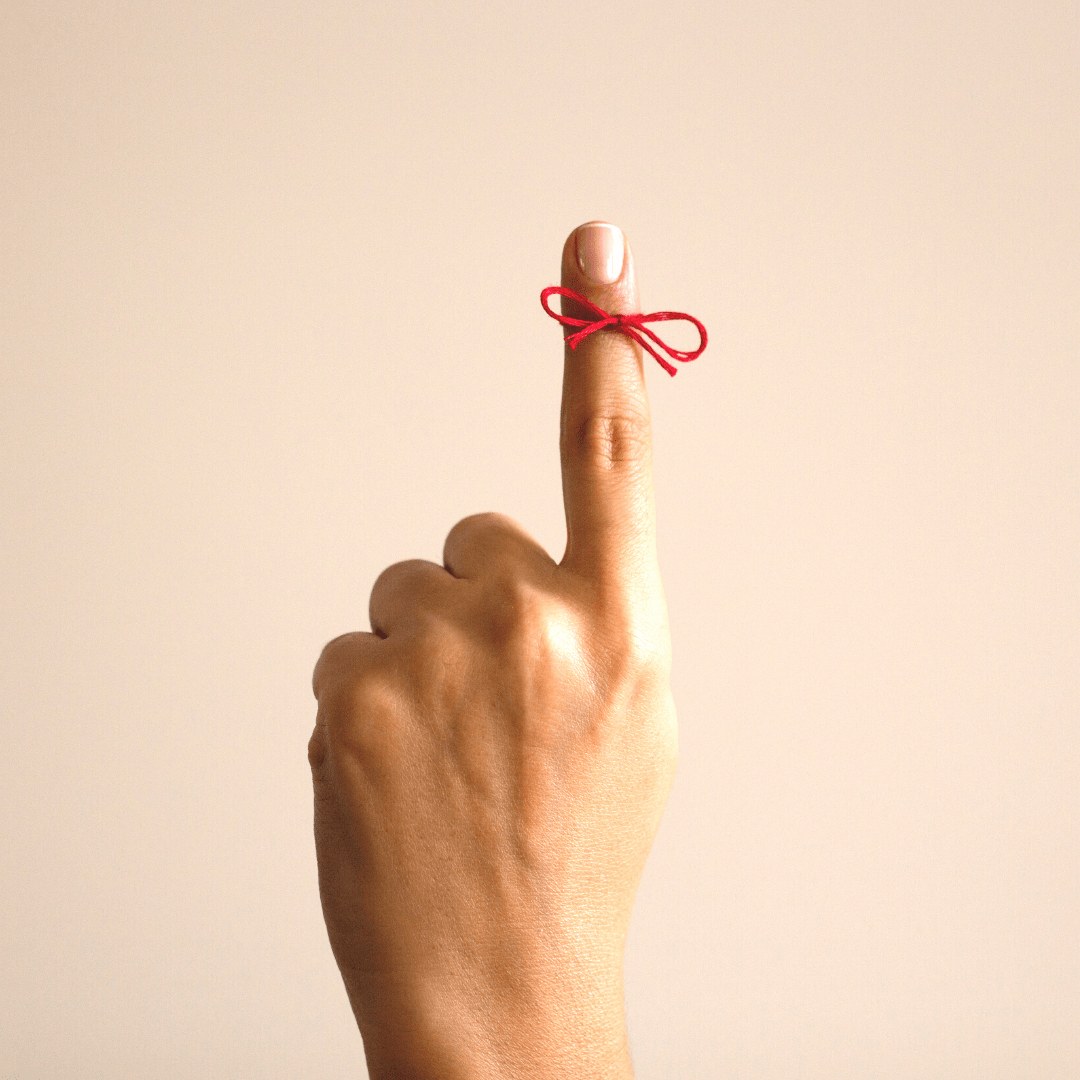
(633, 326)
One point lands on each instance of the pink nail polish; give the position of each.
(600, 252)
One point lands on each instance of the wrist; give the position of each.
(572, 1027)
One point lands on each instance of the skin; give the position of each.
(491, 764)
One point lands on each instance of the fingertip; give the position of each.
(598, 263)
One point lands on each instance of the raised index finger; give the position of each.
(606, 439)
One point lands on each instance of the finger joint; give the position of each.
(612, 441)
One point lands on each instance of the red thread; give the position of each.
(631, 325)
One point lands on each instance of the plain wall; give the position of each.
(269, 321)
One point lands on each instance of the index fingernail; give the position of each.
(600, 252)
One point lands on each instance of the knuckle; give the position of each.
(611, 440)
(361, 721)
(530, 625)
(316, 750)
(330, 662)
(489, 519)
(406, 592)
(518, 606)
(476, 528)
(636, 643)
(401, 574)
(645, 653)
(478, 546)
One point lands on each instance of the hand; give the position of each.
(491, 764)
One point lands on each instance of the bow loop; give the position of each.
(633, 326)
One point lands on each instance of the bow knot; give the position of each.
(633, 326)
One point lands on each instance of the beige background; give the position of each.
(269, 321)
